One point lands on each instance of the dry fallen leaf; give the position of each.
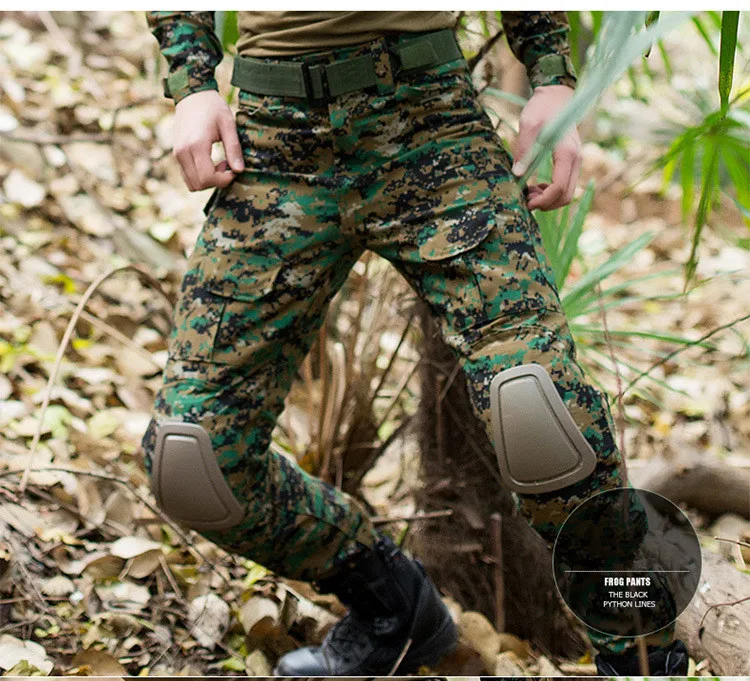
(257, 664)
(130, 547)
(98, 663)
(143, 565)
(21, 189)
(546, 668)
(476, 632)
(58, 586)
(20, 519)
(514, 644)
(13, 650)
(123, 596)
(260, 617)
(209, 619)
(507, 664)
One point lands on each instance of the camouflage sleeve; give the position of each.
(192, 50)
(540, 41)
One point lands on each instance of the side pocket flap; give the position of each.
(459, 234)
(240, 275)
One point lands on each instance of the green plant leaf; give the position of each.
(227, 28)
(687, 180)
(508, 96)
(736, 162)
(586, 287)
(668, 70)
(651, 18)
(708, 189)
(698, 23)
(570, 243)
(574, 38)
(729, 24)
(621, 40)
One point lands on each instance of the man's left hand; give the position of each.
(544, 105)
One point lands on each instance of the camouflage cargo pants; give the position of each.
(415, 172)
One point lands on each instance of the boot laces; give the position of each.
(351, 636)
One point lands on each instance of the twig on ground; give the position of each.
(59, 38)
(116, 528)
(721, 605)
(118, 335)
(621, 416)
(643, 656)
(145, 277)
(155, 510)
(496, 541)
(672, 354)
(44, 140)
(400, 658)
(733, 541)
(427, 515)
(31, 587)
(170, 578)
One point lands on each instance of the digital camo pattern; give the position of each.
(416, 173)
(192, 50)
(533, 35)
(188, 42)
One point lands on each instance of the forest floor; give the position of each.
(92, 579)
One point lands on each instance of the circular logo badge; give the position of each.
(627, 562)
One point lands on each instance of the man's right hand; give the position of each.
(200, 120)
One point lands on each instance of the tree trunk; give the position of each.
(724, 635)
(459, 471)
(700, 482)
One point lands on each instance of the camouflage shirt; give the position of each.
(189, 43)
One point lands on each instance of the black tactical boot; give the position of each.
(393, 606)
(669, 661)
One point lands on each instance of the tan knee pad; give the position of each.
(538, 445)
(187, 481)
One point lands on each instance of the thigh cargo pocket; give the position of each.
(512, 269)
(449, 282)
(227, 309)
(489, 265)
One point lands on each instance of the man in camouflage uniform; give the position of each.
(393, 154)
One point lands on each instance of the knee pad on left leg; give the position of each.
(538, 444)
(187, 481)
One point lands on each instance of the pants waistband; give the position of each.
(324, 81)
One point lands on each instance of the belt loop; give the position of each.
(306, 78)
(316, 81)
(384, 66)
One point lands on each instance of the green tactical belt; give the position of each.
(325, 81)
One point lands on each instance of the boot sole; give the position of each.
(441, 644)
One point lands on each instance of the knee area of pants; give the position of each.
(148, 442)
(186, 478)
(538, 444)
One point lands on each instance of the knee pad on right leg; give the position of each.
(187, 481)
(538, 444)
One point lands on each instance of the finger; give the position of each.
(527, 134)
(204, 166)
(223, 174)
(222, 178)
(187, 168)
(537, 188)
(534, 191)
(231, 141)
(562, 170)
(548, 199)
